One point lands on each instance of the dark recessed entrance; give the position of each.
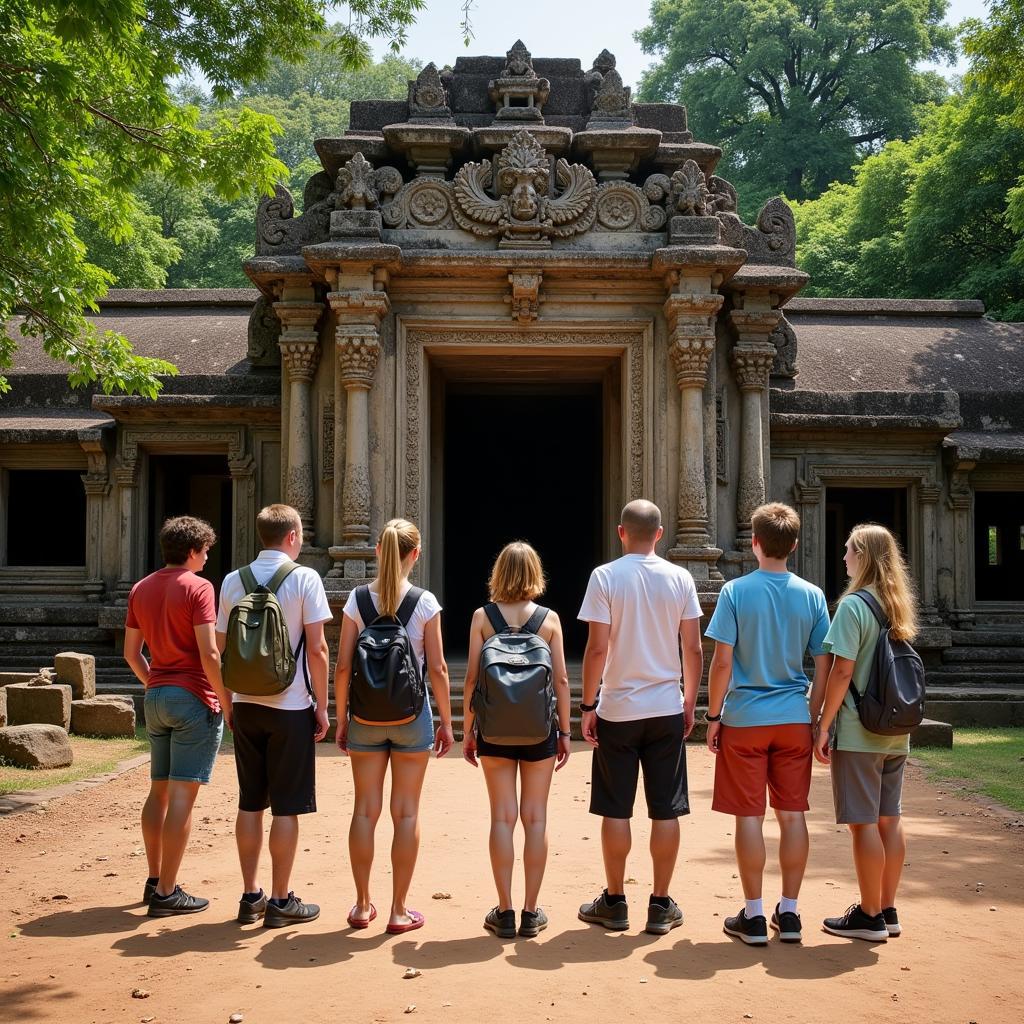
(845, 508)
(192, 485)
(521, 462)
(45, 517)
(998, 545)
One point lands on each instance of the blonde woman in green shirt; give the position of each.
(867, 769)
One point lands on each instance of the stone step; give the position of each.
(988, 637)
(48, 615)
(987, 675)
(987, 712)
(994, 693)
(69, 636)
(985, 655)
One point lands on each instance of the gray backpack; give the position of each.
(514, 701)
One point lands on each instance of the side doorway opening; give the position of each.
(998, 545)
(847, 507)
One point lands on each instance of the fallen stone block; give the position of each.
(3, 708)
(77, 671)
(97, 717)
(932, 734)
(45, 705)
(35, 746)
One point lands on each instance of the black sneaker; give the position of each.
(613, 916)
(532, 923)
(855, 924)
(148, 892)
(787, 925)
(293, 912)
(661, 920)
(501, 922)
(250, 911)
(892, 922)
(752, 930)
(177, 902)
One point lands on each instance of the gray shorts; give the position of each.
(866, 787)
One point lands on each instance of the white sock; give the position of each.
(787, 906)
(755, 908)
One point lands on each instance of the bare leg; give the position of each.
(664, 851)
(407, 773)
(284, 841)
(533, 809)
(500, 774)
(181, 796)
(869, 860)
(794, 847)
(895, 844)
(249, 839)
(154, 810)
(616, 841)
(750, 854)
(368, 770)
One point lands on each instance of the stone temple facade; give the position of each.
(510, 304)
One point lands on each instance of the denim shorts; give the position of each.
(184, 735)
(412, 738)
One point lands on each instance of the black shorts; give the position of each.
(657, 745)
(524, 752)
(275, 757)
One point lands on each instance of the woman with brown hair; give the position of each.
(406, 744)
(517, 579)
(867, 768)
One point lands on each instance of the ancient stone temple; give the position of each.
(511, 303)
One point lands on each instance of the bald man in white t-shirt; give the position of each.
(642, 611)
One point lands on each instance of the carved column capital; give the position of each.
(300, 359)
(751, 365)
(690, 354)
(358, 353)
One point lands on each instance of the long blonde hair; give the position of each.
(397, 541)
(883, 567)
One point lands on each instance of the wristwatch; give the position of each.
(712, 718)
(587, 707)
(561, 734)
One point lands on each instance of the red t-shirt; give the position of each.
(167, 606)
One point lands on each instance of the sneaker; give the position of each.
(752, 930)
(177, 902)
(532, 923)
(293, 912)
(148, 892)
(250, 911)
(613, 916)
(892, 922)
(501, 922)
(787, 925)
(661, 920)
(855, 924)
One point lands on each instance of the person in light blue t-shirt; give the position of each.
(759, 720)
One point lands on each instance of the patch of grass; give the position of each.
(93, 756)
(989, 761)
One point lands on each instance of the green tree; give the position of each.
(139, 260)
(87, 112)
(796, 91)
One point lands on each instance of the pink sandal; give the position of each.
(416, 920)
(361, 922)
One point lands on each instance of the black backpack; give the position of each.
(387, 679)
(514, 701)
(893, 700)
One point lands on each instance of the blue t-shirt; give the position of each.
(770, 619)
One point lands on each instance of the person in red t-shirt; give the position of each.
(172, 611)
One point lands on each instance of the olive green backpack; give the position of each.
(258, 656)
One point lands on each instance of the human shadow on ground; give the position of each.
(71, 924)
(33, 1002)
(688, 960)
(293, 948)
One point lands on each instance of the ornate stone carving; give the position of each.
(772, 241)
(280, 233)
(317, 189)
(610, 105)
(690, 192)
(428, 98)
(518, 93)
(521, 209)
(783, 337)
(603, 63)
(327, 439)
(722, 436)
(358, 354)
(524, 296)
(264, 334)
(752, 366)
(423, 203)
(625, 207)
(360, 186)
(723, 195)
(690, 354)
(300, 358)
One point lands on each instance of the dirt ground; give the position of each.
(77, 941)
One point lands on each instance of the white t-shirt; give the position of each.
(426, 609)
(644, 599)
(304, 601)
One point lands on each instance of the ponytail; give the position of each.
(397, 541)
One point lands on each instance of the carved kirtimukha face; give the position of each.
(523, 176)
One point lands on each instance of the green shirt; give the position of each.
(853, 635)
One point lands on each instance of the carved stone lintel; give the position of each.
(524, 295)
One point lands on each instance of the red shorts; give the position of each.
(756, 758)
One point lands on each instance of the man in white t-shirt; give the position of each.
(275, 737)
(641, 610)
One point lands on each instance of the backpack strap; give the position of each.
(876, 608)
(535, 621)
(283, 572)
(367, 612)
(408, 606)
(495, 618)
(245, 574)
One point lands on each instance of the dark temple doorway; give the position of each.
(847, 507)
(521, 462)
(998, 545)
(192, 485)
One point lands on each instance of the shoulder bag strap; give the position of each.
(283, 572)
(535, 621)
(245, 574)
(364, 603)
(495, 618)
(408, 606)
(876, 608)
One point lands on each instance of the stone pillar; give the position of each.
(243, 494)
(961, 503)
(691, 346)
(929, 497)
(357, 348)
(97, 486)
(300, 354)
(127, 479)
